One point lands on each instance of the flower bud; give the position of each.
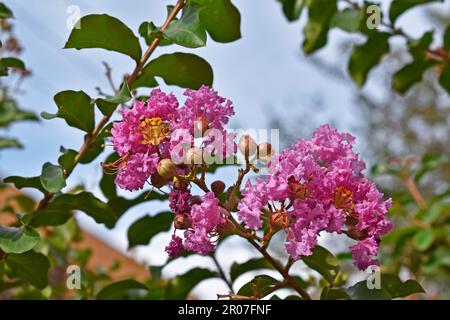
(166, 168)
(201, 125)
(226, 228)
(179, 183)
(194, 156)
(356, 234)
(196, 200)
(157, 181)
(181, 222)
(351, 219)
(247, 146)
(265, 152)
(218, 187)
(279, 220)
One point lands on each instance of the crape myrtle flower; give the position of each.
(318, 186)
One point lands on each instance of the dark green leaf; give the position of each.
(334, 294)
(398, 7)
(67, 159)
(12, 62)
(261, 284)
(144, 229)
(238, 269)
(97, 146)
(181, 69)
(368, 55)
(107, 108)
(360, 291)
(18, 240)
(444, 78)
(30, 266)
(447, 39)
(348, 20)
(6, 143)
(324, 263)
(221, 19)
(292, 8)
(24, 182)
(423, 239)
(106, 32)
(180, 286)
(107, 184)
(123, 290)
(123, 96)
(320, 13)
(187, 31)
(5, 12)
(75, 108)
(52, 178)
(398, 289)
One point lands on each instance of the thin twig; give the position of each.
(222, 273)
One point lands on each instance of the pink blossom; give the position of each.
(136, 171)
(175, 246)
(363, 253)
(180, 201)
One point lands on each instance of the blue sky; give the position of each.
(264, 74)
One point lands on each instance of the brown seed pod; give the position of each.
(181, 222)
(218, 187)
(265, 151)
(179, 183)
(247, 146)
(279, 220)
(166, 168)
(157, 181)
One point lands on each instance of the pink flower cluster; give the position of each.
(151, 131)
(318, 185)
(201, 224)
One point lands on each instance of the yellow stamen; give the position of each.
(343, 199)
(154, 130)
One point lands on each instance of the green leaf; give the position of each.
(25, 182)
(238, 269)
(122, 96)
(423, 239)
(52, 178)
(430, 162)
(106, 108)
(12, 62)
(398, 7)
(398, 289)
(144, 229)
(67, 159)
(447, 39)
(262, 284)
(360, 291)
(412, 73)
(334, 294)
(368, 55)
(320, 13)
(107, 184)
(181, 69)
(221, 19)
(106, 32)
(6, 143)
(98, 146)
(180, 286)
(123, 290)
(9, 112)
(5, 12)
(149, 32)
(187, 31)
(75, 108)
(348, 20)
(18, 240)
(324, 263)
(30, 266)
(292, 8)
(444, 78)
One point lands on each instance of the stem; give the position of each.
(412, 188)
(222, 273)
(90, 138)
